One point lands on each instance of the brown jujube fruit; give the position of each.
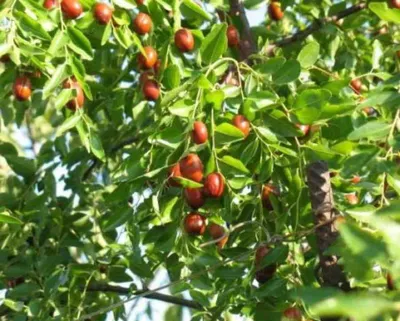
(214, 185)
(356, 85)
(144, 76)
(194, 197)
(275, 11)
(216, 232)
(50, 4)
(5, 58)
(241, 122)
(199, 132)
(148, 61)
(142, 23)
(174, 171)
(293, 314)
(390, 283)
(151, 90)
(192, 167)
(72, 9)
(184, 40)
(267, 190)
(79, 99)
(139, 2)
(304, 128)
(195, 224)
(22, 88)
(157, 66)
(232, 35)
(102, 13)
(396, 4)
(266, 273)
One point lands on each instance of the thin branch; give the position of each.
(155, 296)
(316, 25)
(247, 43)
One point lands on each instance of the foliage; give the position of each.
(119, 218)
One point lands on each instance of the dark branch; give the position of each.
(154, 296)
(322, 203)
(303, 34)
(247, 44)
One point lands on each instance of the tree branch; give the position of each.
(247, 45)
(322, 203)
(316, 25)
(155, 296)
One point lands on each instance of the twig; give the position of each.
(303, 34)
(154, 296)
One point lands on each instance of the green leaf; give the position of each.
(68, 124)
(22, 166)
(235, 163)
(123, 36)
(229, 130)
(357, 306)
(63, 98)
(373, 130)
(59, 40)
(8, 219)
(14, 305)
(197, 10)
(382, 10)
(377, 54)
(215, 44)
(106, 34)
(172, 77)
(289, 72)
(126, 4)
(80, 44)
(308, 105)
(29, 25)
(267, 134)
(187, 182)
(58, 76)
(216, 98)
(96, 146)
(309, 54)
(182, 108)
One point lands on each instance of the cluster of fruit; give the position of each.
(148, 60)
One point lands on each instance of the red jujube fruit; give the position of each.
(72, 9)
(184, 40)
(275, 11)
(22, 88)
(151, 90)
(241, 122)
(216, 232)
(214, 185)
(142, 23)
(148, 61)
(195, 224)
(102, 13)
(232, 35)
(199, 133)
(194, 197)
(192, 167)
(79, 99)
(174, 171)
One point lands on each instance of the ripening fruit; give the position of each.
(274, 11)
(195, 224)
(356, 85)
(389, 282)
(174, 171)
(50, 4)
(356, 179)
(292, 314)
(369, 111)
(352, 199)
(79, 99)
(139, 2)
(266, 273)
(192, 167)
(398, 53)
(304, 128)
(103, 268)
(194, 197)
(241, 122)
(5, 58)
(184, 40)
(216, 232)
(199, 132)
(142, 23)
(22, 88)
(102, 13)
(214, 185)
(265, 197)
(151, 90)
(232, 35)
(396, 4)
(148, 61)
(72, 9)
